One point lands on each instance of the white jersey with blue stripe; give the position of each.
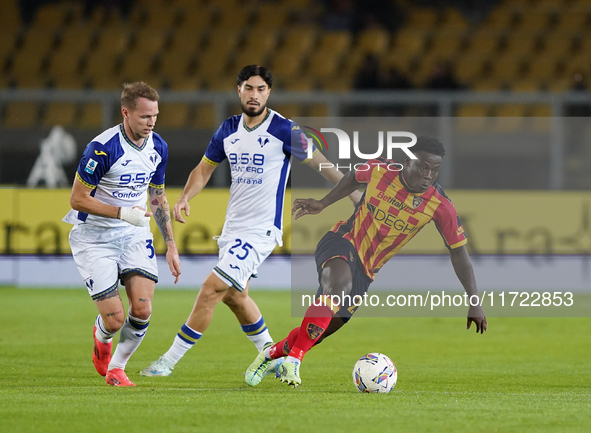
(119, 173)
(259, 162)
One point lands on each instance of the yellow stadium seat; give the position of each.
(490, 84)
(76, 39)
(59, 113)
(510, 117)
(149, 41)
(422, 18)
(526, 85)
(10, 18)
(91, 116)
(300, 40)
(285, 64)
(172, 115)
(472, 117)
(542, 67)
(410, 41)
(446, 44)
(322, 65)
(483, 42)
(186, 39)
(499, 19)
(271, 16)
(339, 83)
(205, 117)
(540, 121)
(318, 110)
(64, 63)
(21, 115)
(211, 63)
(373, 41)
(523, 43)
(197, 17)
(161, 17)
(571, 21)
(174, 64)
(334, 43)
(185, 83)
(289, 111)
(298, 84)
(559, 85)
(453, 21)
(50, 16)
(260, 41)
(506, 67)
(469, 67)
(38, 42)
(533, 20)
(557, 45)
(232, 18)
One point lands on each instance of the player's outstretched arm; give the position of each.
(161, 210)
(344, 187)
(328, 171)
(81, 200)
(462, 265)
(195, 184)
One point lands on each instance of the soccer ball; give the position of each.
(374, 372)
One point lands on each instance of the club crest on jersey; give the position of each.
(314, 331)
(263, 140)
(416, 202)
(153, 158)
(89, 284)
(90, 166)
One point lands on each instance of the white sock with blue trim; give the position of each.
(101, 333)
(184, 340)
(258, 333)
(131, 335)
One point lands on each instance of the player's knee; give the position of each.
(336, 278)
(232, 301)
(210, 295)
(113, 323)
(142, 311)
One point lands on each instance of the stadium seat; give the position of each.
(149, 41)
(526, 85)
(472, 117)
(542, 67)
(50, 17)
(20, 115)
(299, 40)
(453, 21)
(196, 17)
(422, 18)
(506, 67)
(172, 115)
(374, 40)
(483, 42)
(297, 84)
(410, 41)
(205, 117)
(446, 44)
(289, 111)
(161, 17)
(533, 20)
(469, 67)
(318, 110)
(286, 65)
(510, 118)
(540, 121)
(271, 16)
(59, 113)
(91, 116)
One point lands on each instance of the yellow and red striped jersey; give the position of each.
(390, 215)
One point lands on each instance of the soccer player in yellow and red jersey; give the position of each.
(397, 203)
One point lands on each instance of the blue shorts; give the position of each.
(333, 246)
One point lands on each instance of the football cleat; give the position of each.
(259, 367)
(160, 368)
(289, 372)
(274, 367)
(101, 354)
(117, 377)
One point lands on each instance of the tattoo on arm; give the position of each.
(162, 213)
(143, 300)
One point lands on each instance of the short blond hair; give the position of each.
(133, 91)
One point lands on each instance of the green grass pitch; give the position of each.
(523, 375)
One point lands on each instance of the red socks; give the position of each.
(301, 339)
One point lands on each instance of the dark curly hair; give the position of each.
(252, 71)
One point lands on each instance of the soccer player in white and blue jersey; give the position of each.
(258, 145)
(111, 239)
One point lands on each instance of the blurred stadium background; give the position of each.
(506, 79)
(63, 63)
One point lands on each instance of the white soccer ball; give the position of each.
(374, 372)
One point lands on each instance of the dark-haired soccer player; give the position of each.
(395, 206)
(258, 145)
